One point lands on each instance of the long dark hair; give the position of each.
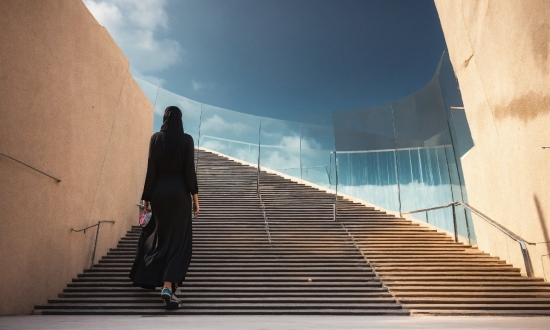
(172, 127)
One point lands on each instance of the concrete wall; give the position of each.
(500, 54)
(69, 107)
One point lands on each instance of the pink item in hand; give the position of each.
(144, 218)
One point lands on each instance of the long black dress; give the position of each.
(165, 244)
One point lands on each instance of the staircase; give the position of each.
(302, 264)
(430, 274)
(301, 261)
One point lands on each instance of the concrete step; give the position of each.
(468, 312)
(227, 300)
(229, 305)
(365, 263)
(215, 310)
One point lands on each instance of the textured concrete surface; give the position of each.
(500, 51)
(68, 107)
(268, 322)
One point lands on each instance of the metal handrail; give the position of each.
(98, 224)
(388, 150)
(266, 223)
(430, 208)
(258, 189)
(335, 209)
(522, 242)
(20, 162)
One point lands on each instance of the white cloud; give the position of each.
(216, 145)
(189, 108)
(134, 25)
(157, 81)
(293, 143)
(216, 125)
(248, 153)
(198, 86)
(283, 155)
(279, 159)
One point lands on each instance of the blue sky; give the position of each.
(279, 58)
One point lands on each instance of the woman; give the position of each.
(164, 248)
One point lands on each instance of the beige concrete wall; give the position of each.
(69, 107)
(500, 54)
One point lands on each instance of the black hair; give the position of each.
(172, 127)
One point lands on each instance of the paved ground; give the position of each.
(269, 322)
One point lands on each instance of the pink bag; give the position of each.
(144, 218)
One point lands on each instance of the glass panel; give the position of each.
(421, 139)
(229, 132)
(463, 137)
(321, 119)
(280, 146)
(149, 89)
(317, 145)
(369, 176)
(461, 142)
(364, 130)
(464, 218)
(452, 98)
(365, 145)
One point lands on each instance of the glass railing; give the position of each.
(369, 176)
(399, 156)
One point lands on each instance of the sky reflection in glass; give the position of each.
(400, 156)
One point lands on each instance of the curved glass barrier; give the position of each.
(400, 156)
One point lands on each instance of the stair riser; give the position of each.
(302, 262)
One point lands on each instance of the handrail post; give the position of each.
(259, 153)
(336, 183)
(98, 224)
(522, 242)
(526, 259)
(95, 244)
(454, 222)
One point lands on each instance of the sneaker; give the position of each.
(166, 294)
(174, 299)
(170, 299)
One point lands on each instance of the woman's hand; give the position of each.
(196, 208)
(147, 206)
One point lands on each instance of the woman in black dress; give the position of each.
(165, 244)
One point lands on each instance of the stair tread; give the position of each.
(300, 261)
